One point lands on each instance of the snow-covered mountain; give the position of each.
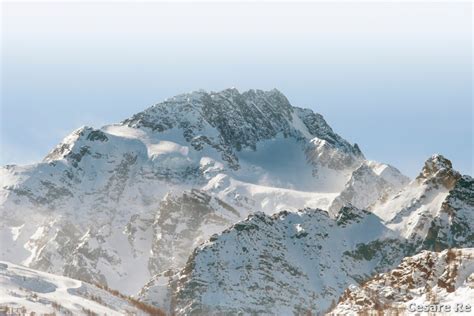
(430, 281)
(215, 202)
(371, 182)
(436, 210)
(118, 204)
(295, 262)
(25, 291)
(290, 262)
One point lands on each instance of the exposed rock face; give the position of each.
(177, 229)
(230, 121)
(443, 278)
(454, 225)
(439, 170)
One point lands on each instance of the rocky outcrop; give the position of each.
(439, 170)
(453, 227)
(441, 279)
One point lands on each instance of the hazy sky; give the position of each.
(394, 77)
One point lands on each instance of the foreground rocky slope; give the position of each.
(119, 204)
(443, 279)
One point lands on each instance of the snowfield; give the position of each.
(28, 290)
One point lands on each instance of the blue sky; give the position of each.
(394, 77)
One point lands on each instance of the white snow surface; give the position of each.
(42, 293)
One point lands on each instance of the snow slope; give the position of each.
(436, 210)
(371, 182)
(24, 290)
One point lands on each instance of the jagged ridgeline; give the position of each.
(225, 202)
(240, 121)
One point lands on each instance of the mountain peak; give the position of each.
(436, 163)
(231, 121)
(439, 169)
